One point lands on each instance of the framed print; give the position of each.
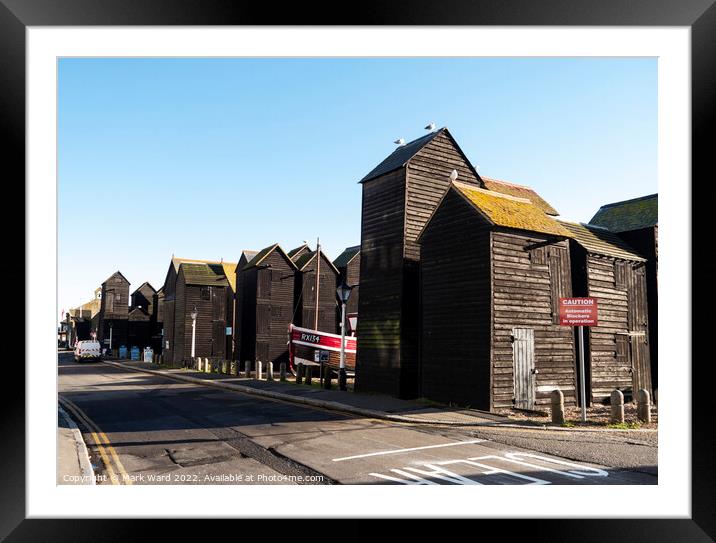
(415, 333)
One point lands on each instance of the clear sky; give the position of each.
(202, 158)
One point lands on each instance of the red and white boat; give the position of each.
(310, 347)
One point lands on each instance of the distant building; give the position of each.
(636, 221)
(112, 323)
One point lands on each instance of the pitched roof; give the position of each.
(246, 256)
(138, 314)
(521, 191)
(402, 155)
(263, 253)
(116, 273)
(601, 241)
(298, 251)
(145, 283)
(633, 214)
(306, 258)
(509, 211)
(346, 256)
(204, 274)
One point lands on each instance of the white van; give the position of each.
(87, 350)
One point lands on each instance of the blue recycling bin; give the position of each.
(122, 351)
(134, 353)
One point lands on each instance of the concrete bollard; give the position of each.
(299, 373)
(282, 372)
(309, 374)
(199, 364)
(617, 401)
(259, 369)
(643, 406)
(208, 366)
(233, 367)
(269, 371)
(247, 368)
(557, 406)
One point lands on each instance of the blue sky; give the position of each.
(202, 158)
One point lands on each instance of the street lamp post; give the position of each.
(194, 314)
(344, 292)
(111, 325)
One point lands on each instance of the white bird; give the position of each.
(400, 141)
(453, 175)
(430, 127)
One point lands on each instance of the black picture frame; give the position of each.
(699, 15)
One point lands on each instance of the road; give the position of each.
(148, 429)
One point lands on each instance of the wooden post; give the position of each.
(643, 406)
(309, 374)
(198, 364)
(326, 377)
(269, 371)
(299, 373)
(247, 366)
(617, 401)
(282, 370)
(557, 406)
(259, 369)
(318, 279)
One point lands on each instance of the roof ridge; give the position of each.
(510, 183)
(493, 193)
(655, 195)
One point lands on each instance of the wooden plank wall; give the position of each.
(247, 312)
(381, 267)
(305, 296)
(274, 309)
(352, 277)
(455, 286)
(428, 179)
(525, 285)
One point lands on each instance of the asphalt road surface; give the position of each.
(147, 429)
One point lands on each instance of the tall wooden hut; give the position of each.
(616, 351)
(305, 296)
(493, 269)
(398, 197)
(348, 266)
(636, 221)
(245, 258)
(143, 317)
(205, 287)
(114, 312)
(265, 305)
(175, 312)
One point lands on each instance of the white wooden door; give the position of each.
(523, 356)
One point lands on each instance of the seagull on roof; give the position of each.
(400, 141)
(430, 127)
(453, 175)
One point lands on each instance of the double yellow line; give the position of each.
(105, 448)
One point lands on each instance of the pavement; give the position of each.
(185, 427)
(73, 461)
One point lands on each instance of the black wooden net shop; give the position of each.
(617, 350)
(636, 221)
(114, 312)
(308, 291)
(493, 268)
(265, 303)
(398, 197)
(348, 266)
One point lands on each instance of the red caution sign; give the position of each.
(578, 312)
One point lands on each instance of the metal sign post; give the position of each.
(579, 312)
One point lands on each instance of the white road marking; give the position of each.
(398, 451)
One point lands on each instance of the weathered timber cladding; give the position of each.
(484, 287)
(455, 281)
(428, 177)
(266, 307)
(396, 205)
(349, 272)
(646, 242)
(525, 294)
(305, 296)
(617, 360)
(381, 267)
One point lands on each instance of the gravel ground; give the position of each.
(597, 417)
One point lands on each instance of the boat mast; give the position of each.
(318, 279)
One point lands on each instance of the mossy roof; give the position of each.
(601, 241)
(509, 211)
(633, 214)
(521, 191)
(204, 274)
